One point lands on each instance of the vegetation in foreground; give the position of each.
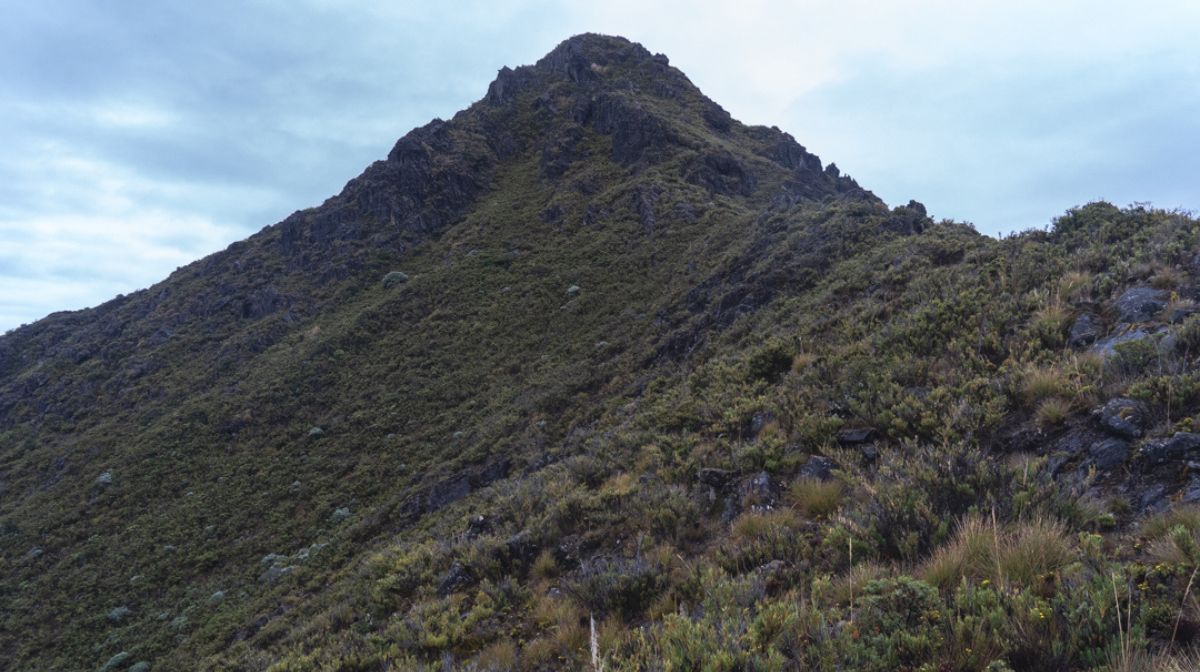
(629, 385)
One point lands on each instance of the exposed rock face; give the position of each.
(1182, 446)
(1084, 331)
(1123, 417)
(1138, 304)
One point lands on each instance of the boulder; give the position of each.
(758, 493)
(1085, 331)
(817, 467)
(394, 278)
(1139, 304)
(115, 662)
(1123, 417)
(1109, 454)
(1182, 446)
(1108, 347)
(118, 614)
(340, 514)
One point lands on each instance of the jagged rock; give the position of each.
(263, 302)
(1109, 454)
(105, 478)
(717, 118)
(720, 173)
(1085, 331)
(458, 577)
(394, 278)
(908, 219)
(1181, 446)
(817, 467)
(715, 478)
(561, 150)
(1139, 304)
(1123, 417)
(574, 290)
(638, 135)
(644, 201)
(315, 432)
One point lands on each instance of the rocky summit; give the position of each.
(594, 376)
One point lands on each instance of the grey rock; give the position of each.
(315, 432)
(115, 662)
(1109, 454)
(1123, 417)
(1085, 331)
(118, 614)
(179, 622)
(274, 573)
(1191, 493)
(1179, 315)
(1154, 499)
(853, 437)
(1108, 346)
(458, 577)
(449, 491)
(1139, 304)
(1182, 446)
(716, 478)
(394, 278)
(140, 666)
(340, 514)
(759, 492)
(478, 525)
(217, 597)
(818, 467)
(521, 548)
(105, 478)
(573, 290)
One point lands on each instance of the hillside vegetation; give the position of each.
(594, 375)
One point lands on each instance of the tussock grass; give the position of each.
(816, 499)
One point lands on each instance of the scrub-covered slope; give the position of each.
(592, 351)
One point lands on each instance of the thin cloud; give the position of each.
(153, 134)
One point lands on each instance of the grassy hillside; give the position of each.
(593, 352)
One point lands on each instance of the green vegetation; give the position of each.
(628, 380)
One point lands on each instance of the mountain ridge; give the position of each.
(592, 348)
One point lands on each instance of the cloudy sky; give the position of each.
(139, 136)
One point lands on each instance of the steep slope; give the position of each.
(594, 348)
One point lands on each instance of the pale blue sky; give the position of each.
(140, 136)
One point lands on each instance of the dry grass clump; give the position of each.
(815, 498)
(1052, 412)
(1025, 553)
